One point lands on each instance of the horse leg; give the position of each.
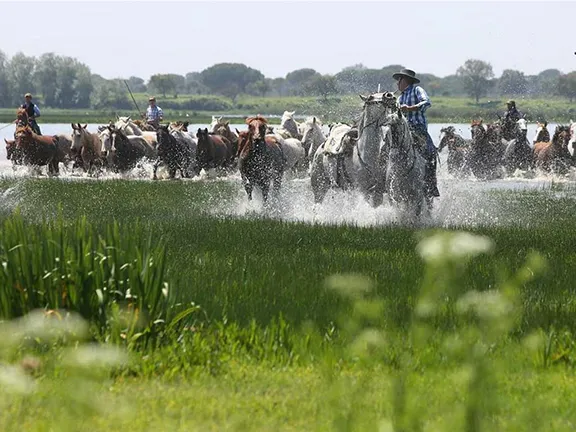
(248, 187)
(156, 164)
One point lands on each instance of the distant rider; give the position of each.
(511, 116)
(414, 101)
(154, 114)
(33, 113)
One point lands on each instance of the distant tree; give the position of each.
(179, 82)
(322, 85)
(21, 71)
(162, 83)
(46, 76)
(297, 80)
(547, 81)
(567, 86)
(83, 86)
(476, 75)
(67, 72)
(230, 79)
(278, 86)
(4, 84)
(259, 88)
(194, 84)
(512, 82)
(111, 94)
(137, 84)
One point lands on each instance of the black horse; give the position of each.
(175, 154)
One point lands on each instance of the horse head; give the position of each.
(21, 117)
(257, 127)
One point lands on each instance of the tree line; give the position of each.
(64, 82)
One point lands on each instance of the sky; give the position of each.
(121, 39)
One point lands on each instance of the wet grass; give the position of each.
(273, 348)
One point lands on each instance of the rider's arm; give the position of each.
(160, 114)
(423, 99)
(36, 111)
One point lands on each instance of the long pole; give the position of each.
(9, 124)
(134, 100)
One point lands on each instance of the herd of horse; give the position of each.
(377, 155)
(492, 154)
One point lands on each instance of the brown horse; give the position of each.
(86, 148)
(13, 153)
(22, 118)
(37, 150)
(554, 156)
(260, 159)
(222, 128)
(213, 151)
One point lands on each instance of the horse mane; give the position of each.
(258, 117)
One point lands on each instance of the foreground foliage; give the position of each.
(298, 326)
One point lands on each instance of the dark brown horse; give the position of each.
(14, 153)
(222, 128)
(554, 156)
(260, 159)
(457, 149)
(213, 151)
(37, 150)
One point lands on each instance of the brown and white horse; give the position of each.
(86, 147)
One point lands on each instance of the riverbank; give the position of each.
(337, 108)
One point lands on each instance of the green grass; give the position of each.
(273, 348)
(336, 108)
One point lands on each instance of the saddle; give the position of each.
(335, 144)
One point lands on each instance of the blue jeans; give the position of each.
(431, 162)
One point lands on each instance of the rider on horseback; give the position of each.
(511, 116)
(33, 113)
(154, 114)
(414, 101)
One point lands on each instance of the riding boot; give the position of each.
(430, 177)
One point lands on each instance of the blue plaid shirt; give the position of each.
(153, 114)
(415, 95)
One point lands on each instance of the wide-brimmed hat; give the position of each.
(152, 98)
(28, 95)
(408, 73)
(511, 102)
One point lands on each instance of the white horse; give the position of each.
(288, 126)
(572, 142)
(331, 165)
(293, 150)
(214, 124)
(386, 159)
(405, 167)
(126, 125)
(312, 136)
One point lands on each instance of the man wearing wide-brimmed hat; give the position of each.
(33, 113)
(414, 102)
(511, 116)
(154, 114)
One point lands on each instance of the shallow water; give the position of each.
(462, 201)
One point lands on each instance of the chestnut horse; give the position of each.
(554, 156)
(212, 151)
(260, 158)
(37, 150)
